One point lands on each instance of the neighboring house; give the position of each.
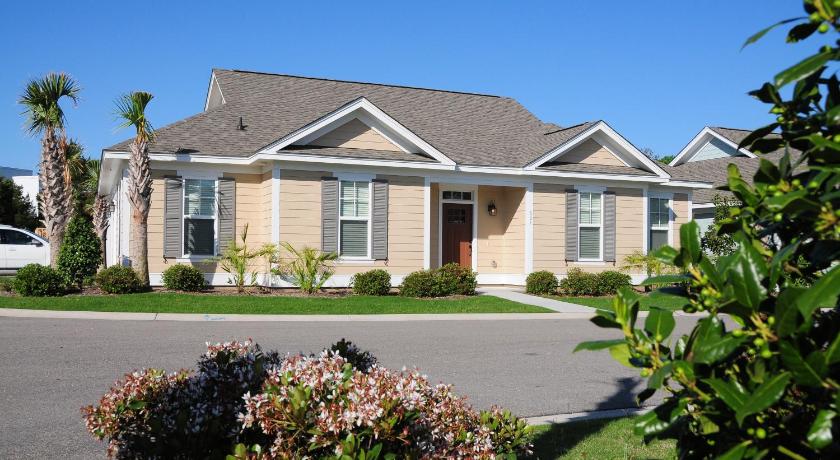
(25, 180)
(707, 158)
(394, 177)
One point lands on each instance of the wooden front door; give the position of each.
(457, 232)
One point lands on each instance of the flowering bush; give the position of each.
(258, 405)
(322, 407)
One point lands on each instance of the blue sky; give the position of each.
(657, 71)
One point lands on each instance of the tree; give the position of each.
(714, 241)
(131, 108)
(767, 383)
(41, 99)
(15, 208)
(80, 254)
(100, 208)
(666, 159)
(83, 192)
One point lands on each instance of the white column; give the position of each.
(529, 228)
(275, 203)
(427, 223)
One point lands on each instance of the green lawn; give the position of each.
(605, 303)
(259, 304)
(597, 439)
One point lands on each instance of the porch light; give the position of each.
(491, 208)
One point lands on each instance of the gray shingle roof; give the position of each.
(595, 169)
(470, 129)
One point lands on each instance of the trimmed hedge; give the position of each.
(372, 282)
(39, 281)
(577, 283)
(450, 279)
(118, 280)
(541, 283)
(181, 277)
(80, 253)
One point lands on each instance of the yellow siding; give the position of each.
(355, 135)
(681, 215)
(300, 207)
(591, 152)
(501, 238)
(550, 227)
(629, 222)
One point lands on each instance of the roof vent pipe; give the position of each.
(240, 126)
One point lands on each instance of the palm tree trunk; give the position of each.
(101, 211)
(54, 191)
(139, 195)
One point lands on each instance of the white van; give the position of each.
(20, 247)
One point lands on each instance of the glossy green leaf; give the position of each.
(802, 69)
(652, 422)
(621, 353)
(757, 36)
(598, 344)
(690, 241)
(823, 293)
(665, 254)
(746, 276)
(787, 311)
(659, 323)
(733, 396)
(665, 279)
(819, 436)
(715, 350)
(658, 378)
(832, 353)
(764, 396)
(737, 452)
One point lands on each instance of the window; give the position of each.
(199, 217)
(589, 226)
(18, 238)
(455, 195)
(354, 219)
(660, 215)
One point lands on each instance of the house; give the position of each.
(395, 177)
(24, 179)
(707, 158)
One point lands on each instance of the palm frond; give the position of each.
(41, 99)
(131, 109)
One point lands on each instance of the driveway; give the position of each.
(49, 368)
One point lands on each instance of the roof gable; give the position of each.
(355, 134)
(712, 143)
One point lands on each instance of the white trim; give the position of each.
(343, 281)
(529, 228)
(364, 178)
(611, 134)
(600, 226)
(185, 216)
(346, 113)
(210, 91)
(275, 203)
(688, 184)
(427, 223)
(703, 205)
(690, 210)
(353, 177)
(702, 138)
(648, 227)
(645, 221)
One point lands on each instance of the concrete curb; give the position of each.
(583, 416)
(122, 316)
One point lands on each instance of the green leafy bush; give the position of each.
(610, 281)
(6, 284)
(372, 282)
(308, 268)
(80, 253)
(182, 277)
(714, 242)
(239, 261)
(117, 279)
(766, 383)
(541, 283)
(579, 282)
(38, 280)
(420, 284)
(453, 279)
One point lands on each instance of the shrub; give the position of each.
(609, 282)
(38, 280)
(6, 284)
(578, 282)
(80, 253)
(117, 279)
(541, 283)
(757, 376)
(181, 277)
(419, 284)
(453, 279)
(309, 268)
(238, 261)
(373, 282)
(360, 359)
(241, 400)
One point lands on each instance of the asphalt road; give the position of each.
(49, 368)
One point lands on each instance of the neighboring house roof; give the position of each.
(470, 129)
(716, 170)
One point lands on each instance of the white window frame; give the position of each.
(599, 225)
(670, 226)
(185, 216)
(368, 218)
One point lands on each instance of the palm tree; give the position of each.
(44, 116)
(100, 208)
(131, 108)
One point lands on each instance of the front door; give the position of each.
(457, 234)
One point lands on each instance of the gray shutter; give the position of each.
(173, 211)
(609, 226)
(380, 219)
(571, 225)
(227, 212)
(329, 214)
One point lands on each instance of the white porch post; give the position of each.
(275, 214)
(427, 223)
(529, 228)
